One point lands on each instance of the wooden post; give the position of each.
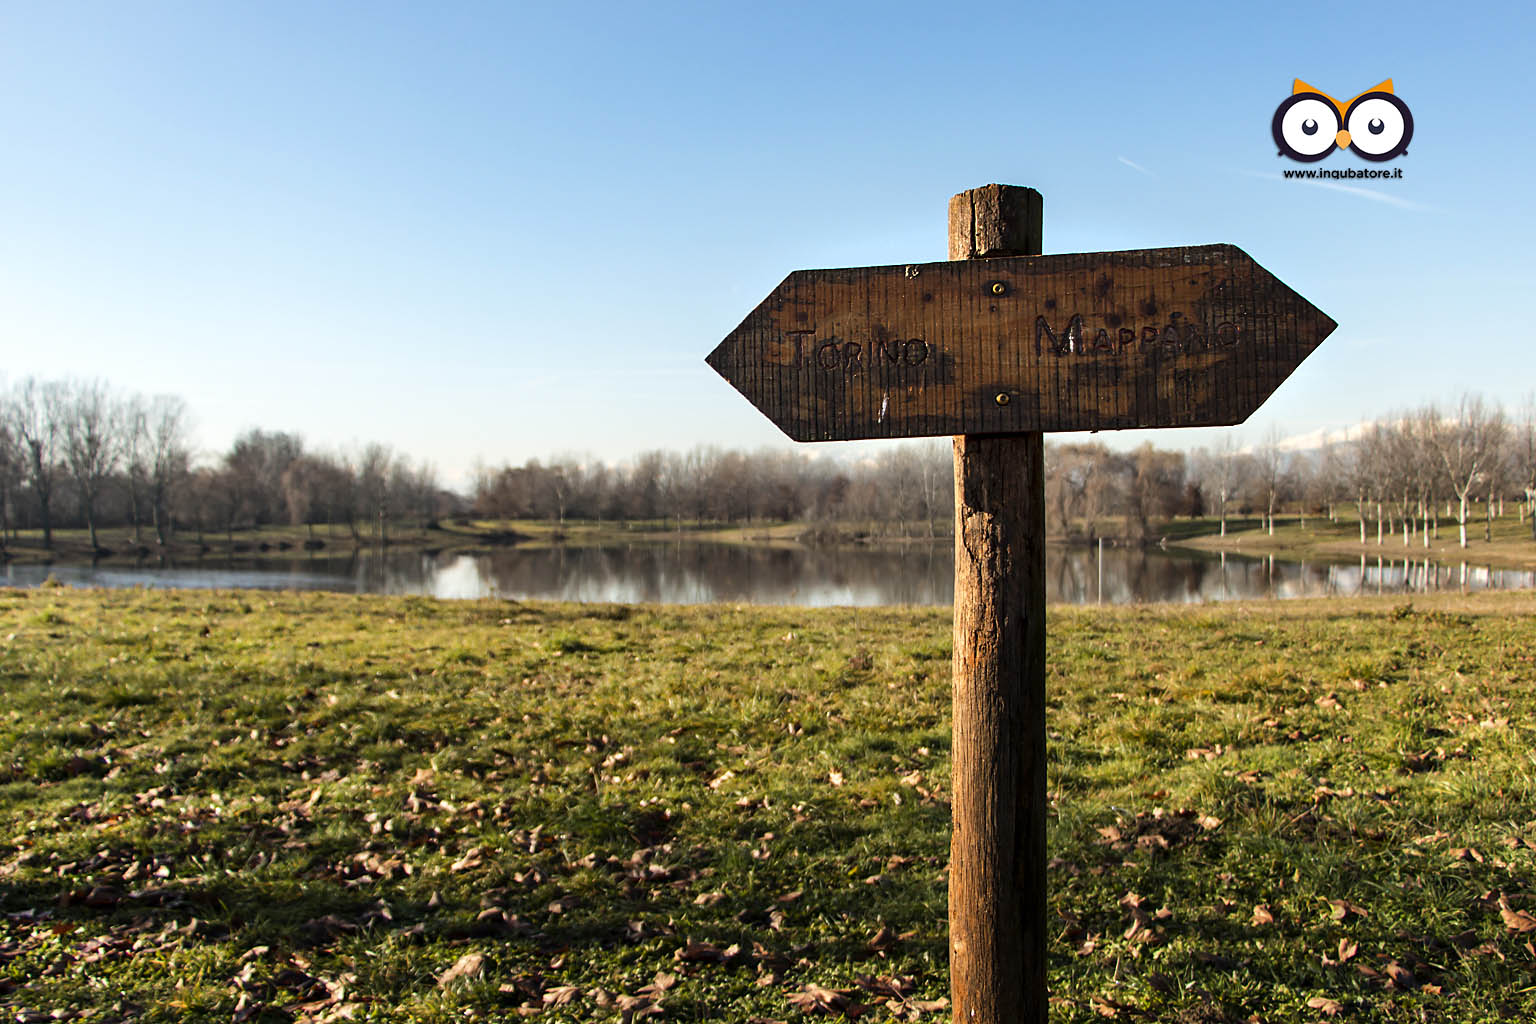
(997, 932)
(821, 358)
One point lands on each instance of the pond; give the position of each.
(691, 572)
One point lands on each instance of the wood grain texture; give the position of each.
(997, 874)
(997, 877)
(1186, 336)
(994, 220)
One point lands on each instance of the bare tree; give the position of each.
(170, 457)
(335, 489)
(10, 475)
(1400, 481)
(1368, 473)
(1468, 447)
(1219, 471)
(135, 426)
(645, 485)
(199, 500)
(93, 444)
(301, 484)
(256, 463)
(561, 480)
(1524, 455)
(1156, 485)
(1109, 487)
(936, 482)
(1329, 478)
(897, 479)
(415, 492)
(1270, 463)
(223, 495)
(371, 467)
(1424, 470)
(1071, 478)
(35, 416)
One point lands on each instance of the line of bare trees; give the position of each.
(1398, 474)
(76, 453)
(908, 488)
(1402, 474)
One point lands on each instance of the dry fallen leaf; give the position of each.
(699, 952)
(815, 999)
(1342, 909)
(1262, 914)
(1401, 976)
(1107, 1007)
(636, 1006)
(560, 995)
(1515, 920)
(1323, 1004)
(469, 861)
(467, 968)
(890, 987)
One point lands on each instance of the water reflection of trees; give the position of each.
(691, 572)
(922, 574)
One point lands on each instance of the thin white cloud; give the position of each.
(1354, 190)
(1371, 193)
(1133, 165)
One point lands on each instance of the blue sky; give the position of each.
(496, 231)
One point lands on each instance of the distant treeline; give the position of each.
(910, 486)
(1401, 473)
(76, 454)
(1397, 474)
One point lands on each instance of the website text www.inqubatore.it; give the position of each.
(1350, 172)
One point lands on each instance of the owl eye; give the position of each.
(1305, 126)
(1380, 126)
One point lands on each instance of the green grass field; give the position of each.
(281, 807)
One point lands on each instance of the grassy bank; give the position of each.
(1318, 538)
(234, 806)
(1314, 538)
(119, 545)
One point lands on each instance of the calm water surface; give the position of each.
(692, 573)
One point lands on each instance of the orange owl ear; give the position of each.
(1382, 87)
(1299, 87)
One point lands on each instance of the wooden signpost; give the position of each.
(996, 347)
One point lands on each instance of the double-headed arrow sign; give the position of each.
(1180, 337)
